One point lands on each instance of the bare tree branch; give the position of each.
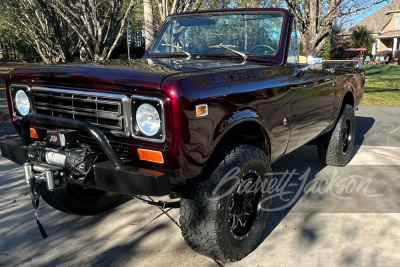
(316, 18)
(48, 33)
(99, 24)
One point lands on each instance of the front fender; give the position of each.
(203, 135)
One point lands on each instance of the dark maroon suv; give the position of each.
(217, 98)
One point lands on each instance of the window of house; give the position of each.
(397, 25)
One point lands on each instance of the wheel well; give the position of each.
(250, 133)
(348, 99)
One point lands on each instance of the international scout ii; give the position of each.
(218, 96)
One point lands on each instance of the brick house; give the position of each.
(385, 25)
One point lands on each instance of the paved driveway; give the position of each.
(341, 225)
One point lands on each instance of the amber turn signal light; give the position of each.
(150, 155)
(202, 110)
(34, 133)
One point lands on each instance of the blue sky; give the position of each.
(370, 11)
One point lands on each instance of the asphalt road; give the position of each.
(378, 126)
(343, 226)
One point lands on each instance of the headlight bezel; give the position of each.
(158, 104)
(14, 89)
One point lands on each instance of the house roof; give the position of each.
(390, 34)
(378, 20)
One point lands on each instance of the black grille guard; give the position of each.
(100, 138)
(112, 175)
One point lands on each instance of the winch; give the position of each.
(57, 159)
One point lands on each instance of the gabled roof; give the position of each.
(378, 20)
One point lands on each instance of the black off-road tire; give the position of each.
(210, 221)
(78, 200)
(335, 147)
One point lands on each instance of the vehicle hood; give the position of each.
(143, 73)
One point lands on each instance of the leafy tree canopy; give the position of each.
(362, 37)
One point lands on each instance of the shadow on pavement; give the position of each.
(363, 125)
(291, 169)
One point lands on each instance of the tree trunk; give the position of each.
(148, 22)
(5, 51)
(309, 43)
(98, 24)
(14, 51)
(43, 28)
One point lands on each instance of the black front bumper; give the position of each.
(111, 175)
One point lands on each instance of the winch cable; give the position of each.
(35, 197)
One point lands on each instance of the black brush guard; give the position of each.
(111, 175)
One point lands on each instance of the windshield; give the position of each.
(240, 34)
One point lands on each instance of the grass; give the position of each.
(382, 85)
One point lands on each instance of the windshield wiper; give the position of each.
(178, 48)
(229, 47)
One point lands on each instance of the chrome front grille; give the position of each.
(106, 111)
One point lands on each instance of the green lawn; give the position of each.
(382, 85)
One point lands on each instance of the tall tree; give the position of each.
(165, 7)
(148, 22)
(41, 26)
(99, 24)
(6, 36)
(220, 4)
(316, 18)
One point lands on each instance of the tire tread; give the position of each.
(198, 213)
(329, 146)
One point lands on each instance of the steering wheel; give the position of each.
(263, 49)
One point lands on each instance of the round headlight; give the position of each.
(22, 102)
(148, 120)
